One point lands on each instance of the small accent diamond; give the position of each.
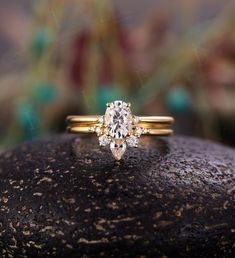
(98, 130)
(132, 141)
(136, 120)
(101, 119)
(138, 131)
(104, 140)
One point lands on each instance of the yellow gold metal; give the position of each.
(142, 125)
(118, 128)
(156, 119)
(156, 125)
(78, 119)
(160, 132)
(85, 129)
(88, 129)
(142, 119)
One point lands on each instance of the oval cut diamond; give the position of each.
(118, 119)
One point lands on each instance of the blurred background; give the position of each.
(59, 58)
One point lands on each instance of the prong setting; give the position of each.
(98, 130)
(104, 140)
(118, 128)
(101, 120)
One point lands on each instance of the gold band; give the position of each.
(150, 131)
(142, 119)
(82, 119)
(154, 125)
(118, 128)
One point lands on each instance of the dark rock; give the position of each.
(65, 197)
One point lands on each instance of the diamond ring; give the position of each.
(118, 128)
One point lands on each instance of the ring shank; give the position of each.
(81, 119)
(154, 125)
(87, 129)
(142, 119)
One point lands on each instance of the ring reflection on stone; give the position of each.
(118, 128)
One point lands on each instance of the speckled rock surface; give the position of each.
(64, 197)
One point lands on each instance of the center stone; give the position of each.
(118, 119)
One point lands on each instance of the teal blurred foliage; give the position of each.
(28, 121)
(27, 112)
(43, 92)
(178, 100)
(40, 41)
(108, 94)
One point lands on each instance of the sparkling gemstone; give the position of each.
(101, 119)
(118, 119)
(118, 148)
(104, 140)
(138, 131)
(98, 130)
(136, 120)
(132, 141)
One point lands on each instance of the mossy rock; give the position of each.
(66, 197)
